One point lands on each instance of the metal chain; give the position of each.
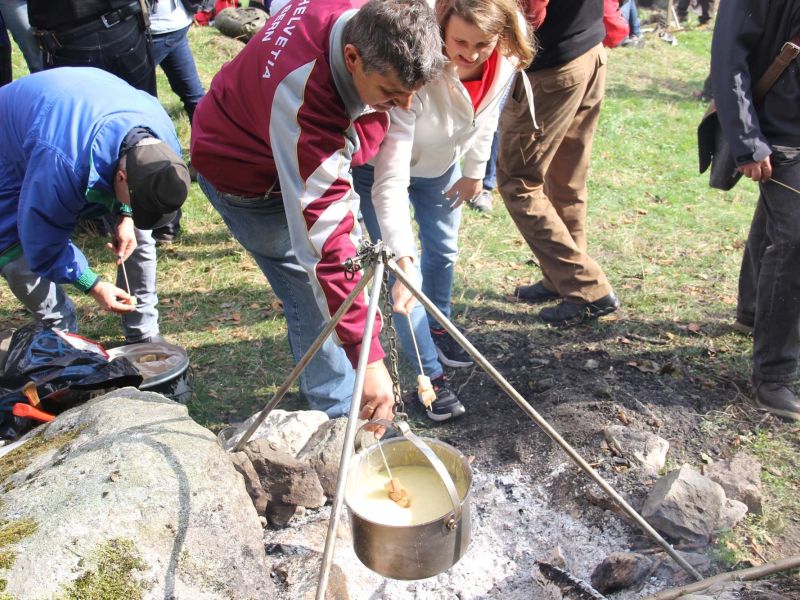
(366, 254)
(391, 338)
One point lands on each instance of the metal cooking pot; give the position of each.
(415, 551)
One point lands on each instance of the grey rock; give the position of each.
(284, 478)
(730, 514)
(134, 466)
(251, 481)
(641, 447)
(621, 570)
(685, 505)
(288, 430)
(670, 571)
(299, 575)
(740, 477)
(323, 451)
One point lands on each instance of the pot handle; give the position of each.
(403, 429)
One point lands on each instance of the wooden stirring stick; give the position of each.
(424, 385)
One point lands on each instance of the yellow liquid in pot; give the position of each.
(428, 496)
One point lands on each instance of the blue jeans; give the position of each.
(15, 15)
(171, 51)
(328, 380)
(438, 235)
(631, 17)
(490, 179)
(49, 303)
(769, 280)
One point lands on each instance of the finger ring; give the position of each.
(369, 406)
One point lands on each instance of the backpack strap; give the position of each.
(788, 53)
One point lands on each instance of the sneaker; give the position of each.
(535, 294)
(569, 313)
(447, 405)
(777, 398)
(483, 201)
(448, 350)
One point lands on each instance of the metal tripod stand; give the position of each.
(374, 260)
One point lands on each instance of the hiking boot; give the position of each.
(448, 350)
(569, 313)
(447, 405)
(535, 294)
(777, 398)
(483, 201)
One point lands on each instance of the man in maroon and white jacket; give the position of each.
(273, 142)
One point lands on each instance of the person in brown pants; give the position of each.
(542, 171)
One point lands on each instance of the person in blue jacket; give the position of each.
(77, 143)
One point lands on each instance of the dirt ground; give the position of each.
(583, 379)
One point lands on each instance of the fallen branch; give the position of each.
(648, 340)
(770, 568)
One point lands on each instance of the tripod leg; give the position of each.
(350, 432)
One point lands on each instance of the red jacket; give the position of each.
(286, 108)
(617, 28)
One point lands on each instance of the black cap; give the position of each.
(158, 182)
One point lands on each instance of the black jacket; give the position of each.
(748, 35)
(570, 28)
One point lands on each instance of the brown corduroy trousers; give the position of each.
(541, 174)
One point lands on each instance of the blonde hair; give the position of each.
(493, 17)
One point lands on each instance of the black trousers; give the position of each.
(123, 49)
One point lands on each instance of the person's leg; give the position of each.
(524, 159)
(15, 15)
(362, 182)
(490, 179)
(757, 241)
(438, 236)
(566, 188)
(631, 16)
(47, 301)
(328, 380)
(175, 58)
(776, 336)
(140, 267)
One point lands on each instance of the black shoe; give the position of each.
(449, 352)
(777, 398)
(165, 238)
(151, 339)
(535, 294)
(447, 405)
(741, 326)
(568, 313)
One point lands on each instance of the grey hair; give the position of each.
(399, 36)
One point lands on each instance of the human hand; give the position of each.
(757, 171)
(124, 239)
(110, 297)
(402, 298)
(464, 189)
(377, 399)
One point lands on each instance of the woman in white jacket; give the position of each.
(452, 119)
